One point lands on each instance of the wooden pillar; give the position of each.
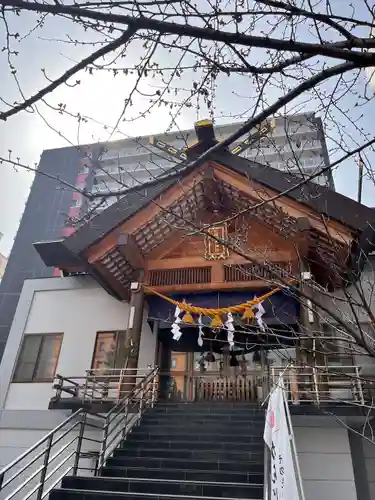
(310, 349)
(134, 330)
(133, 338)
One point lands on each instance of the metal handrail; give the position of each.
(97, 385)
(322, 382)
(114, 426)
(142, 397)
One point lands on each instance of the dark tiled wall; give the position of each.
(45, 215)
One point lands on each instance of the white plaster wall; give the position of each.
(147, 348)
(325, 459)
(79, 314)
(77, 308)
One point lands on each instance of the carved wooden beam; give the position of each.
(130, 251)
(211, 190)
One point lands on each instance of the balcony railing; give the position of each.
(304, 384)
(322, 384)
(97, 387)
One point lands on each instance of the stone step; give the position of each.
(165, 444)
(164, 487)
(204, 417)
(227, 465)
(199, 429)
(207, 404)
(64, 494)
(203, 426)
(239, 455)
(163, 435)
(184, 474)
(208, 408)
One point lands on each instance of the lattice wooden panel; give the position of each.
(117, 266)
(226, 389)
(251, 272)
(184, 276)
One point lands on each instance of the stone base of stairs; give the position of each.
(185, 451)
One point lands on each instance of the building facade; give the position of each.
(147, 284)
(296, 144)
(77, 312)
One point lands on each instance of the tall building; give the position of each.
(296, 144)
(53, 210)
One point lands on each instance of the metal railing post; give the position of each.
(85, 387)
(45, 467)
(360, 388)
(153, 394)
(142, 395)
(316, 388)
(79, 444)
(103, 445)
(120, 385)
(126, 413)
(59, 388)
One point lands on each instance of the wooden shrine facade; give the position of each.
(228, 225)
(167, 243)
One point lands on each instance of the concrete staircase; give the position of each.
(185, 451)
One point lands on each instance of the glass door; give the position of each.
(176, 376)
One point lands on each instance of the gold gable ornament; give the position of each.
(213, 249)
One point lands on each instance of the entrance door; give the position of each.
(176, 375)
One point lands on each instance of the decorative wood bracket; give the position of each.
(130, 251)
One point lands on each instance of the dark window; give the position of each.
(38, 358)
(107, 350)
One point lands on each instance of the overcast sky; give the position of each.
(99, 96)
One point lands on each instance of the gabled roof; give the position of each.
(359, 219)
(133, 201)
(322, 200)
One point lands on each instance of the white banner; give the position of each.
(283, 484)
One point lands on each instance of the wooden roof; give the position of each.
(116, 242)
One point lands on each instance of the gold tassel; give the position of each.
(248, 314)
(217, 322)
(188, 318)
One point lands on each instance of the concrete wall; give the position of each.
(325, 459)
(369, 454)
(78, 308)
(20, 430)
(365, 455)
